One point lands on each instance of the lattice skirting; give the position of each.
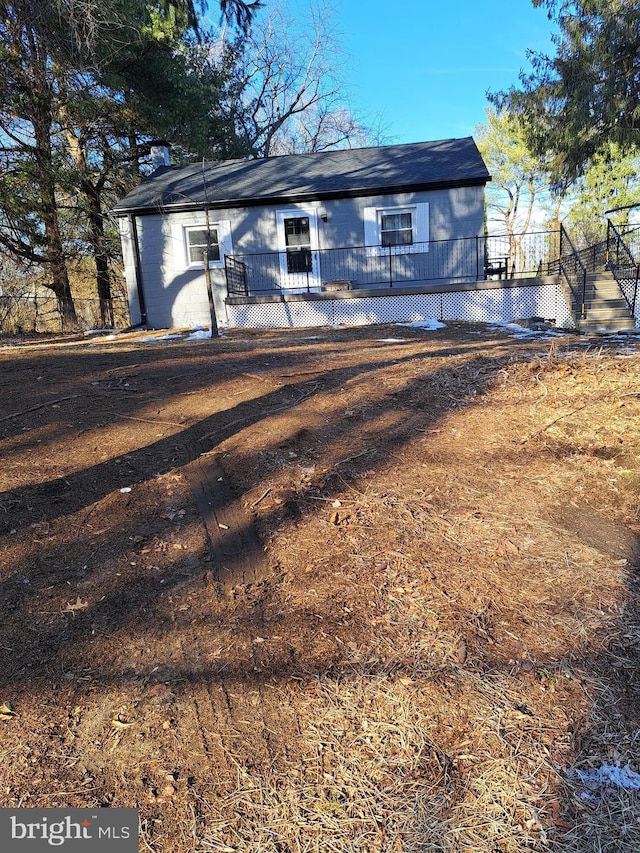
(481, 306)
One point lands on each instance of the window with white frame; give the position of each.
(191, 241)
(197, 244)
(398, 229)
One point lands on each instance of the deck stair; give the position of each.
(605, 309)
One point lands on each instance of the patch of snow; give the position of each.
(125, 490)
(110, 337)
(519, 331)
(430, 324)
(159, 338)
(607, 775)
(198, 335)
(391, 340)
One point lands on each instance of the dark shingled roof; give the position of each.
(305, 177)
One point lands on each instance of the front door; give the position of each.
(298, 244)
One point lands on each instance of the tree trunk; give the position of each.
(93, 195)
(59, 276)
(100, 254)
(55, 256)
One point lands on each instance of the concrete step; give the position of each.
(622, 320)
(603, 293)
(607, 327)
(601, 281)
(601, 313)
(618, 303)
(600, 275)
(606, 322)
(602, 309)
(605, 308)
(602, 287)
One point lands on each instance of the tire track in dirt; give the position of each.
(235, 551)
(234, 714)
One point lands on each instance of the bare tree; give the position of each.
(519, 179)
(288, 88)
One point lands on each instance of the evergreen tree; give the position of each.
(588, 95)
(609, 189)
(83, 87)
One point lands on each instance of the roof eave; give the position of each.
(293, 198)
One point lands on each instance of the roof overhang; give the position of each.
(294, 198)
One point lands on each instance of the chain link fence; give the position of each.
(26, 313)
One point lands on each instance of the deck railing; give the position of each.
(615, 254)
(573, 269)
(622, 249)
(364, 267)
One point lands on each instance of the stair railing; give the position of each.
(573, 269)
(623, 265)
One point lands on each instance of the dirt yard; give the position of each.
(368, 590)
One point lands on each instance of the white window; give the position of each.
(197, 244)
(190, 241)
(397, 229)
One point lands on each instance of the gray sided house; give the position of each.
(301, 228)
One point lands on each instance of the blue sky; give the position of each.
(425, 65)
(422, 67)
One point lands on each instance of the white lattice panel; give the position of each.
(281, 315)
(481, 306)
(367, 311)
(507, 305)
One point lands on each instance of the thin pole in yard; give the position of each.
(205, 254)
(212, 307)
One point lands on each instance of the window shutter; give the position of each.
(371, 228)
(178, 250)
(224, 238)
(422, 224)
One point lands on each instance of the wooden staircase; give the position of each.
(605, 309)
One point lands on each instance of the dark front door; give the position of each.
(297, 236)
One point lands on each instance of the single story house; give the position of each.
(290, 233)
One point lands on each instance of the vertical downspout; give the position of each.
(138, 270)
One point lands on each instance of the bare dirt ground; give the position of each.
(365, 589)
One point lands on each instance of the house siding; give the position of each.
(177, 297)
(174, 297)
(125, 226)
